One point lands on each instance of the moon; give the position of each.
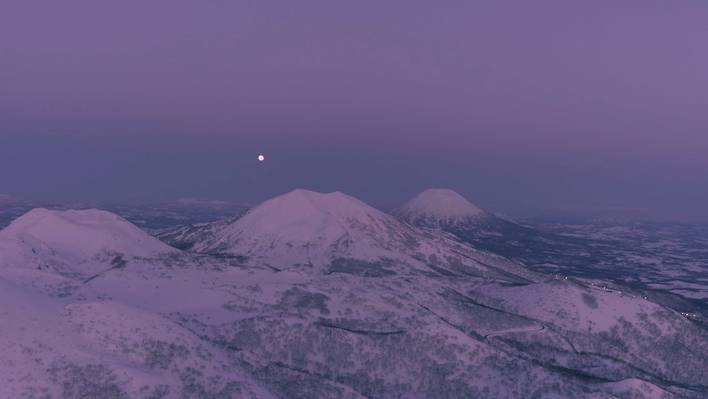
(261, 157)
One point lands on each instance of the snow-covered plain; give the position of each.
(663, 257)
(314, 295)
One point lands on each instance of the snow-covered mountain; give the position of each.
(329, 298)
(75, 241)
(333, 232)
(153, 217)
(433, 209)
(439, 206)
(664, 256)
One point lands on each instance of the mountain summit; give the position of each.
(63, 240)
(438, 206)
(310, 228)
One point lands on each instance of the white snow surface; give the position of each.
(305, 227)
(195, 326)
(439, 203)
(313, 229)
(43, 236)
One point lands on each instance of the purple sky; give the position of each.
(520, 105)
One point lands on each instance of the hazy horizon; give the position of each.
(558, 214)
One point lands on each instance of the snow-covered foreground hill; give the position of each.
(317, 296)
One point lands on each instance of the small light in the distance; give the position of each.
(261, 157)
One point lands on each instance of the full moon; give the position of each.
(261, 157)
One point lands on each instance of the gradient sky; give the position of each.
(520, 105)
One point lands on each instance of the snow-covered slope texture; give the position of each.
(75, 241)
(439, 338)
(334, 232)
(213, 328)
(52, 348)
(210, 333)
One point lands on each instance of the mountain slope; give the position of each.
(425, 317)
(335, 233)
(75, 241)
(54, 348)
